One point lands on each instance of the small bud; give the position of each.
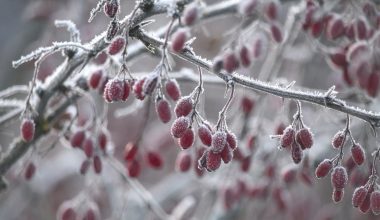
(112, 30)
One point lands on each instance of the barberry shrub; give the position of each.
(188, 109)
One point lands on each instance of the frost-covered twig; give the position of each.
(71, 28)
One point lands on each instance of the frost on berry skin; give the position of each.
(101, 58)
(218, 141)
(358, 154)
(287, 137)
(138, 89)
(116, 45)
(97, 163)
(338, 139)
(27, 129)
(29, 171)
(339, 177)
(179, 39)
(337, 195)
(187, 139)
(126, 90)
(271, 10)
(84, 167)
(112, 30)
(154, 159)
(375, 202)
(190, 14)
(248, 7)
(247, 104)
(297, 153)
(359, 196)
(88, 147)
(111, 8)
(226, 154)
(366, 205)
(184, 106)
(183, 161)
(335, 27)
(304, 138)
(130, 151)
(77, 139)
(231, 140)
(204, 135)
(114, 90)
(323, 168)
(276, 32)
(133, 168)
(94, 79)
(179, 126)
(244, 56)
(66, 213)
(213, 161)
(230, 61)
(172, 89)
(163, 110)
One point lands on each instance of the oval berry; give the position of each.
(213, 161)
(130, 151)
(97, 163)
(172, 89)
(358, 154)
(179, 39)
(304, 138)
(116, 45)
(219, 140)
(375, 202)
(133, 168)
(190, 15)
(323, 168)
(30, 170)
(230, 61)
(111, 8)
(138, 89)
(187, 139)
(77, 139)
(163, 110)
(231, 140)
(183, 161)
(94, 80)
(359, 196)
(154, 159)
(339, 177)
(337, 195)
(27, 129)
(184, 106)
(204, 134)
(179, 126)
(287, 138)
(338, 139)
(296, 153)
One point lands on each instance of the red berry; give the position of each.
(230, 61)
(247, 104)
(366, 205)
(289, 174)
(287, 138)
(337, 195)
(126, 90)
(187, 139)
(97, 163)
(84, 167)
(247, 7)
(259, 46)
(359, 196)
(204, 134)
(114, 90)
(276, 32)
(280, 129)
(130, 151)
(339, 177)
(317, 28)
(116, 45)
(111, 7)
(245, 163)
(94, 79)
(338, 139)
(271, 10)
(163, 110)
(150, 84)
(323, 168)
(183, 161)
(27, 129)
(77, 139)
(172, 89)
(138, 89)
(226, 154)
(361, 28)
(304, 138)
(90, 215)
(297, 153)
(373, 85)
(244, 56)
(335, 27)
(133, 168)
(179, 39)
(101, 58)
(338, 58)
(358, 154)
(190, 15)
(102, 141)
(67, 213)
(88, 147)
(375, 202)
(213, 161)
(154, 159)
(30, 170)
(179, 126)
(219, 140)
(184, 106)
(231, 140)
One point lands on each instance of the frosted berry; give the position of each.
(179, 39)
(150, 84)
(94, 80)
(111, 8)
(358, 154)
(77, 139)
(184, 106)
(375, 202)
(226, 154)
(172, 89)
(115, 90)
(213, 161)
(130, 151)
(204, 134)
(101, 58)
(112, 30)
(335, 27)
(230, 61)
(154, 159)
(297, 153)
(271, 10)
(126, 90)
(276, 32)
(187, 139)
(183, 161)
(30, 170)
(97, 163)
(366, 205)
(287, 138)
(27, 129)
(133, 168)
(231, 140)
(323, 168)
(190, 15)
(116, 45)
(361, 28)
(163, 110)
(219, 140)
(179, 126)
(359, 196)
(247, 104)
(338, 58)
(338, 139)
(339, 177)
(244, 55)
(138, 89)
(337, 195)
(88, 147)
(304, 138)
